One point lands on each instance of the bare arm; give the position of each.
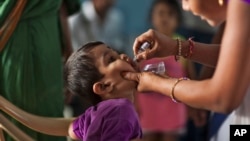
(162, 46)
(46, 125)
(206, 54)
(199, 116)
(226, 89)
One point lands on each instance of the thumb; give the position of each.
(131, 76)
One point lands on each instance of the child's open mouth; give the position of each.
(134, 65)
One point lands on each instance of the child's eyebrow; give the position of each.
(112, 49)
(104, 55)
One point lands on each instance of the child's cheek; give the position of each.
(120, 65)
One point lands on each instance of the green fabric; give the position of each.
(31, 65)
(5, 9)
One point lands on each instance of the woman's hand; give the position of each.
(160, 45)
(145, 80)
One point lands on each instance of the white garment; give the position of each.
(241, 115)
(85, 26)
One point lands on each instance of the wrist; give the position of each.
(172, 95)
(161, 86)
(184, 48)
(174, 47)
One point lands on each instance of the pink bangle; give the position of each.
(190, 48)
(172, 90)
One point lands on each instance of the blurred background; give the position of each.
(136, 21)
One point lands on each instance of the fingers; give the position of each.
(136, 46)
(145, 37)
(131, 76)
(142, 56)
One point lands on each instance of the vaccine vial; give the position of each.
(158, 68)
(143, 47)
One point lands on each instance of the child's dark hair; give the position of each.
(172, 3)
(80, 73)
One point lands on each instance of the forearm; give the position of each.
(198, 94)
(206, 54)
(46, 125)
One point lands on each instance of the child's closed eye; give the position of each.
(111, 59)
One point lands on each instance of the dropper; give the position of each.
(158, 67)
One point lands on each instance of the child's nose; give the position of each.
(125, 57)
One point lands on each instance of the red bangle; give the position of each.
(191, 46)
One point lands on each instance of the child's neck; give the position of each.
(129, 96)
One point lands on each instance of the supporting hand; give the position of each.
(145, 80)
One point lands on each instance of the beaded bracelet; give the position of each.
(178, 55)
(172, 90)
(190, 49)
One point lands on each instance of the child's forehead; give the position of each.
(102, 48)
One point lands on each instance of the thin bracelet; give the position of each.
(190, 48)
(179, 45)
(172, 91)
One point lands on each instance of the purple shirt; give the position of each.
(247, 1)
(110, 120)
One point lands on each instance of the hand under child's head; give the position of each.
(94, 72)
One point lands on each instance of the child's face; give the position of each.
(111, 64)
(164, 18)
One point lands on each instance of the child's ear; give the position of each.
(102, 88)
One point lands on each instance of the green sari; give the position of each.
(31, 62)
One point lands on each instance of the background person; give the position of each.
(154, 108)
(31, 59)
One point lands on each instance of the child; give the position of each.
(94, 72)
(160, 117)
